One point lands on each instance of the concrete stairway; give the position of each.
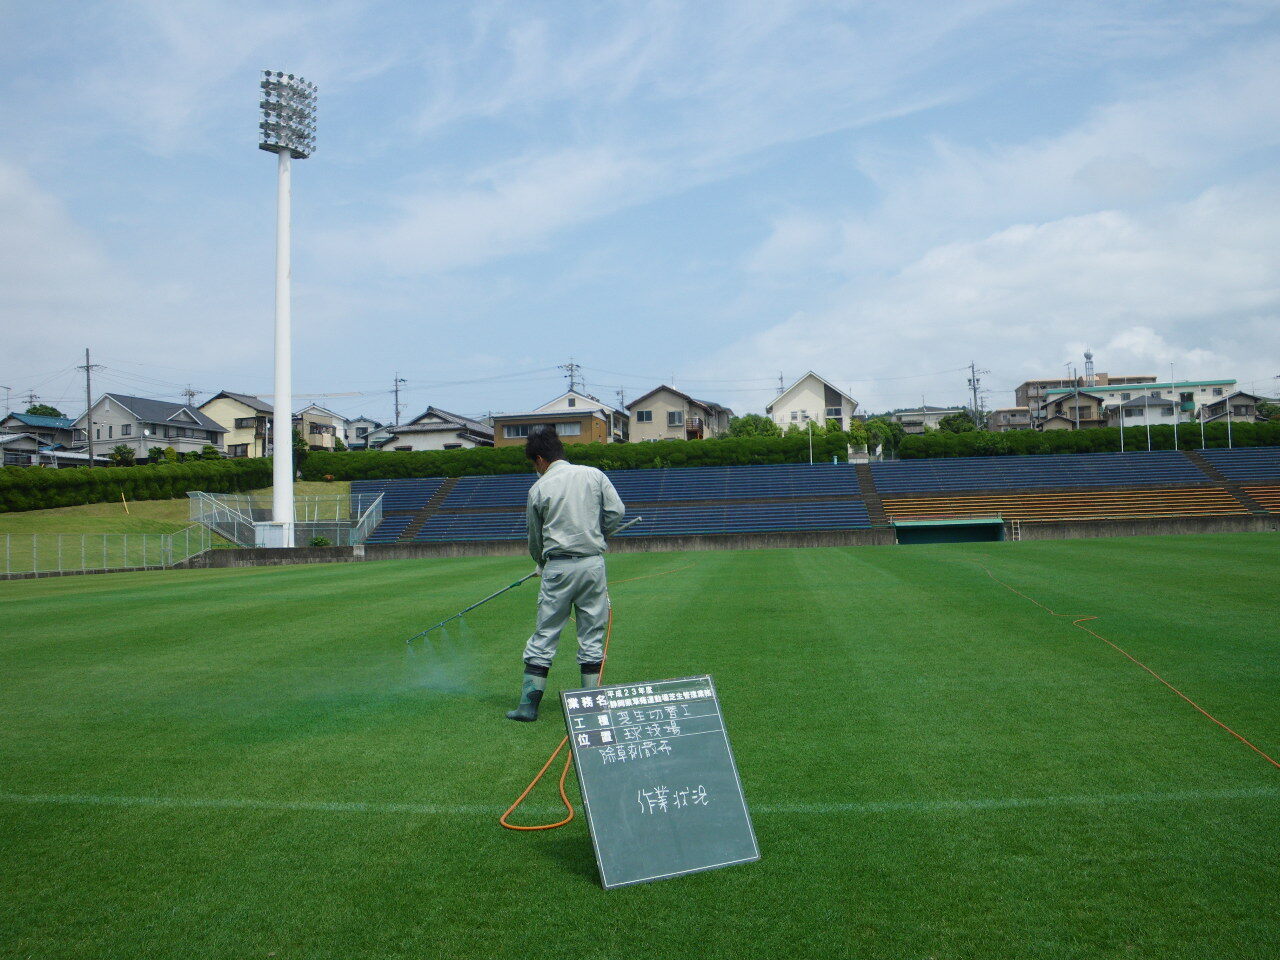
(428, 510)
(1231, 486)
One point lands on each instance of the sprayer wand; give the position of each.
(510, 586)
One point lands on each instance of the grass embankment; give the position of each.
(244, 762)
(141, 516)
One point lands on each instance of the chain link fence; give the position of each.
(22, 553)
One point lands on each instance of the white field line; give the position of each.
(450, 810)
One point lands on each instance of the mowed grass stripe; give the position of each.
(968, 805)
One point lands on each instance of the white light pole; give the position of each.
(288, 130)
(1173, 389)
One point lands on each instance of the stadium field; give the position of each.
(245, 763)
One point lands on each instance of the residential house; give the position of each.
(320, 427)
(50, 431)
(1141, 411)
(812, 398)
(140, 424)
(358, 431)
(18, 449)
(578, 418)
(1009, 418)
(922, 418)
(1074, 410)
(436, 429)
(665, 413)
(1189, 394)
(1031, 393)
(1238, 406)
(247, 421)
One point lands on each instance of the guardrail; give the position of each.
(64, 553)
(343, 520)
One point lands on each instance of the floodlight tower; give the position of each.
(288, 130)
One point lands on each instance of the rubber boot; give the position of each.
(591, 675)
(531, 690)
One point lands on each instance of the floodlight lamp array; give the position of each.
(288, 114)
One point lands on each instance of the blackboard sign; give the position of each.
(660, 789)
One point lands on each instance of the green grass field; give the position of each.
(244, 763)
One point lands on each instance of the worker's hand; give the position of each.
(537, 572)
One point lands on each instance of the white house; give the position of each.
(434, 429)
(1141, 411)
(923, 418)
(358, 431)
(665, 413)
(812, 398)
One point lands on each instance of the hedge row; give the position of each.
(34, 488)
(480, 461)
(1099, 440)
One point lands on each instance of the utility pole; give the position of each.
(974, 383)
(622, 399)
(781, 386)
(31, 395)
(573, 372)
(8, 393)
(88, 369)
(395, 388)
(189, 394)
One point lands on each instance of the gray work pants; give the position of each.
(570, 582)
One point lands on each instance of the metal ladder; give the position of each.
(1015, 530)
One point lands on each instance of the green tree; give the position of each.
(1269, 410)
(957, 423)
(210, 452)
(171, 455)
(300, 449)
(122, 456)
(44, 410)
(155, 455)
(338, 445)
(753, 425)
(885, 432)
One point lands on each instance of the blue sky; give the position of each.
(707, 193)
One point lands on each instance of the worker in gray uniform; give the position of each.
(571, 510)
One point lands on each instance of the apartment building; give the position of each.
(1031, 393)
(1009, 418)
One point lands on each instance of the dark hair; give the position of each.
(544, 442)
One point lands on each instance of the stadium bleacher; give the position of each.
(797, 497)
(1009, 473)
(399, 495)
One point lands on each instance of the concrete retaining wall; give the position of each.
(1142, 527)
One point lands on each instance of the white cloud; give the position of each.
(1192, 282)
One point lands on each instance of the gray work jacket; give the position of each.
(571, 510)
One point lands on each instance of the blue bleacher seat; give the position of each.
(1161, 467)
(1247, 465)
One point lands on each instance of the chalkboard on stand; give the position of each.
(659, 785)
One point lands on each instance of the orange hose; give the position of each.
(568, 761)
(1079, 623)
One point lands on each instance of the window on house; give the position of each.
(569, 429)
(835, 412)
(644, 416)
(804, 415)
(1155, 393)
(362, 431)
(1124, 396)
(795, 414)
(404, 448)
(110, 431)
(238, 450)
(1217, 391)
(97, 433)
(675, 418)
(126, 430)
(1240, 410)
(453, 446)
(245, 423)
(573, 401)
(513, 430)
